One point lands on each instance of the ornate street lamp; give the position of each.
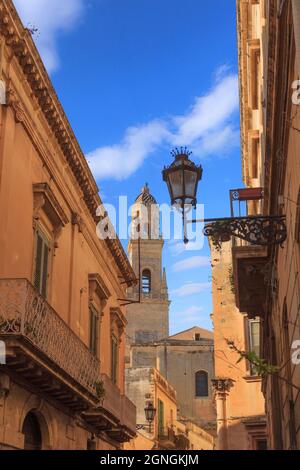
(150, 413)
(182, 178)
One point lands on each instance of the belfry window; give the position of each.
(146, 282)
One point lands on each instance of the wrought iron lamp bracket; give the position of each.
(256, 230)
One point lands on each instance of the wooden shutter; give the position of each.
(114, 358)
(94, 333)
(38, 262)
(41, 264)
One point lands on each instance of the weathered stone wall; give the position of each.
(59, 431)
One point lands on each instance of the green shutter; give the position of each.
(41, 264)
(38, 262)
(94, 333)
(45, 270)
(114, 358)
(161, 418)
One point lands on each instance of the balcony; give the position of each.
(42, 350)
(116, 414)
(44, 354)
(127, 427)
(250, 262)
(250, 268)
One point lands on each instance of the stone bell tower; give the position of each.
(148, 320)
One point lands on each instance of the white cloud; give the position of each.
(209, 112)
(206, 128)
(191, 314)
(190, 289)
(177, 247)
(51, 17)
(191, 263)
(120, 161)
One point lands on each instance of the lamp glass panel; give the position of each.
(176, 182)
(191, 178)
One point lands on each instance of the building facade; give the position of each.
(185, 360)
(61, 323)
(168, 431)
(240, 405)
(267, 279)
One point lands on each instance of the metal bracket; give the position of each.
(256, 230)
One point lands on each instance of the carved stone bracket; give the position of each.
(77, 220)
(14, 102)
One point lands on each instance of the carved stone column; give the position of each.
(221, 387)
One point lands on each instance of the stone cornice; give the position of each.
(20, 42)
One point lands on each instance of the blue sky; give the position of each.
(136, 78)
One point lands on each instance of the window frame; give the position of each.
(250, 348)
(148, 277)
(201, 373)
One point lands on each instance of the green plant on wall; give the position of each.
(261, 366)
(231, 279)
(100, 390)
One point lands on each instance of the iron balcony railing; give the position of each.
(24, 313)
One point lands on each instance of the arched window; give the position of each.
(146, 281)
(201, 382)
(32, 432)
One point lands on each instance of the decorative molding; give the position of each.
(117, 317)
(222, 386)
(44, 199)
(98, 288)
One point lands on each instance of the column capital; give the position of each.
(221, 386)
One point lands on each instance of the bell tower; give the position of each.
(148, 320)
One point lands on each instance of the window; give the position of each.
(254, 54)
(197, 337)
(201, 379)
(146, 281)
(254, 341)
(94, 331)
(114, 359)
(42, 249)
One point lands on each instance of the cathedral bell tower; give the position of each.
(148, 320)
